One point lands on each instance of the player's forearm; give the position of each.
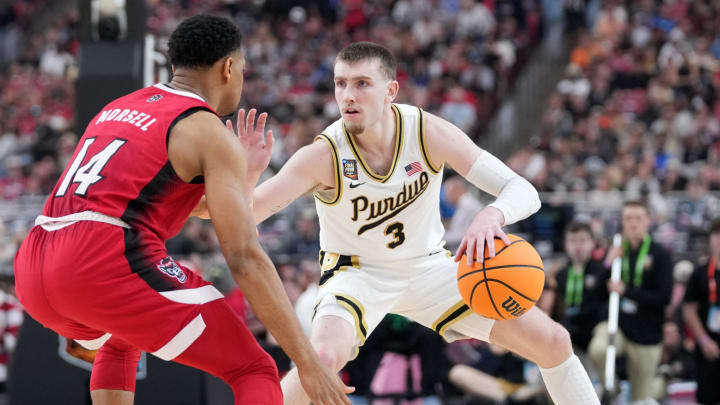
(262, 287)
(517, 199)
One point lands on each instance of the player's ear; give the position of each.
(392, 90)
(227, 67)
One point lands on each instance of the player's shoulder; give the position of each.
(199, 122)
(408, 110)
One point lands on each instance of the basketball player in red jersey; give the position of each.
(95, 268)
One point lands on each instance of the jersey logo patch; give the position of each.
(169, 267)
(350, 168)
(156, 97)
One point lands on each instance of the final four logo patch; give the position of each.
(350, 169)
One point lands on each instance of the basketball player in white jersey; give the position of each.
(376, 176)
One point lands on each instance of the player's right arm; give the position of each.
(200, 145)
(310, 168)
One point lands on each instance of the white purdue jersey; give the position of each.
(396, 216)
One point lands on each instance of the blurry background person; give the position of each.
(701, 312)
(645, 289)
(580, 294)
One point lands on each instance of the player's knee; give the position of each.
(557, 338)
(264, 367)
(560, 337)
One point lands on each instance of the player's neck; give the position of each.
(185, 81)
(380, 137)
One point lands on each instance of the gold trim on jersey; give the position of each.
(338, 177)
(358, 312)
(399, 130)
(423, 144)
(453, 315)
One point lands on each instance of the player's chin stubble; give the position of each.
(354, 129)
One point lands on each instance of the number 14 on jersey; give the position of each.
(89, 173)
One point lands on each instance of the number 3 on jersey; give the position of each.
(396, 229)
(88, 174)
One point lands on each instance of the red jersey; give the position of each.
(121, 167)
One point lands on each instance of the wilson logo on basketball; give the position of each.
(513, 307)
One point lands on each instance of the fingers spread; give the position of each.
(240, 119)
(504, 237)
(270, 139)
(480, 250)
(490, 244)
(470, 252)
(250, 121)
(261, 123)
(460, 250)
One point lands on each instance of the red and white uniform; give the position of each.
(96, 266)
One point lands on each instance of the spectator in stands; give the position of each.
(645, 289)
(580, 293)
(702, 316)
(304, 240)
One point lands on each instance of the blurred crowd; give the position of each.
(637, 115)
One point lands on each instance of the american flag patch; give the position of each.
(412, 168)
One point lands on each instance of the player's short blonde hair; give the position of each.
(359, 51)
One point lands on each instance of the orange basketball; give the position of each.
(507, 285)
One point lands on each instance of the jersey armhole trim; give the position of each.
(190, 111)
(423, 143)
(338, 178)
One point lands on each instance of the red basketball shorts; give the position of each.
(91, 280)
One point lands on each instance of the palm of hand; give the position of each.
(254, 139)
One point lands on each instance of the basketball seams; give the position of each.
(505, 266)
(487, 287)
(487, 280)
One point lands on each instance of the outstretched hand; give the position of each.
(482, 231)
(253, 137)
(324, 387)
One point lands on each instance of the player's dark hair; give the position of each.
(202, 40)
(360, 51)
(577, 226)
(715, 226)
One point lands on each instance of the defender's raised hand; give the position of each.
(254, 139)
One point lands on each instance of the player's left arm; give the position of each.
(516, 199)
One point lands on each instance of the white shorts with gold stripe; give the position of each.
(363, 291)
